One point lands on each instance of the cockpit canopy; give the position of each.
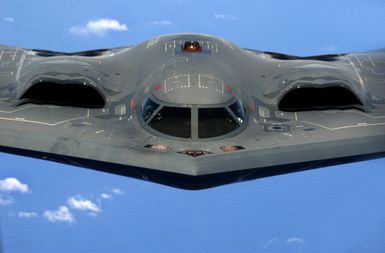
(193, 122)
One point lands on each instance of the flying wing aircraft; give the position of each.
(192, 111)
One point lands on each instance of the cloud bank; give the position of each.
(161, 23)
(225, 16)
(81, 204)
(27, 215)
(105, 196)
(12, 184)
(98, 27)
(116, 191)
(295, 240)
(269, 243)
(63, 214)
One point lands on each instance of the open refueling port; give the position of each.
(191, 46)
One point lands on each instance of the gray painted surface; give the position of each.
(116, 135)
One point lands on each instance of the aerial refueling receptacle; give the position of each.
(191, 46)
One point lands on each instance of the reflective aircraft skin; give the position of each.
(192, 111)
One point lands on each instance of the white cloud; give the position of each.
(5, 200)
(99, 27)
(9, 19)
(161, 23)
(27, 215)
(116, 191)
(12, 184)
(225, 16)
(93, 214)
(269, 243)
(63, 214)
(79, 203)
(295, 240)
(105, 196)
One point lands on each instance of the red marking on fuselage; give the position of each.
(228, 89)
(251, 105)
(157, 87)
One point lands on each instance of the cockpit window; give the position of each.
(174, 121)
(148, 107)
(214, 122)
(191, 122)
(238, 110)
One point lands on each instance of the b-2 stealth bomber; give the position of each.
(192, 111)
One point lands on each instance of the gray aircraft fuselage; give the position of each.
(192, 111)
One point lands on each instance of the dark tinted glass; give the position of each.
(174, 121)
(215, 122)
(238, 110)
(148, 107)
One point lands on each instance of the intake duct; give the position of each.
(90, 53)
(66, 94)
(310, 98)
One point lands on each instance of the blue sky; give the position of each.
(48, 207)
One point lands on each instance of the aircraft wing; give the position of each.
(192, 111)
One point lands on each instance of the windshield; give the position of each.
(213, 122)
(174, 121)
(238, 110)
(177, 121)
(148, 108)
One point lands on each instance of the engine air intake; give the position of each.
(66, 94)
(306, 99)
